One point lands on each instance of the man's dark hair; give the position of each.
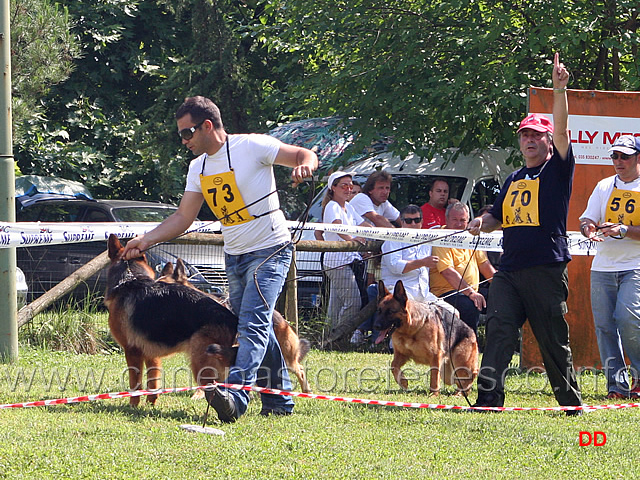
(438, 179)
(411, 210)
(200, 109)
(375, 177)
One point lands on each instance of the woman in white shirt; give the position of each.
(344, 298)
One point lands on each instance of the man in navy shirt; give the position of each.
(532, 282)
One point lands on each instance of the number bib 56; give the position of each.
(621, 207)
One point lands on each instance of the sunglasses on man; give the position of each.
(409, 221)
(622, 156)
(187, 133)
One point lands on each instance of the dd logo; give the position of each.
(598, 439)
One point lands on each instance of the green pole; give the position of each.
(8, 299)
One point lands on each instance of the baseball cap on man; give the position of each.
(537, 122)
(627, 144)
(336, 175)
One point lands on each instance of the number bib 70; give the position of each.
(520, 205)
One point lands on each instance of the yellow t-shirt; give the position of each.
(456, 258)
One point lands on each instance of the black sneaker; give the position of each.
(278, 412)
(222, 402)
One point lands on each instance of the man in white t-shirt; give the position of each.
(613, 220)
(373, 203)
(234, 174)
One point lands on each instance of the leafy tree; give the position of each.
(436, 74)
(42, 54)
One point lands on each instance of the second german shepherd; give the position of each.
(294, 349)
(151, 320)
(428, 334)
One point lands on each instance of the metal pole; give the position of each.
(8, 298)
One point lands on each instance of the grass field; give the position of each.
(323, 439)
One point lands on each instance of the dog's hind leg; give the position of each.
(462, 367)
(135, 363)
(154, 376)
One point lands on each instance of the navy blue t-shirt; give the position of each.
(528, 246)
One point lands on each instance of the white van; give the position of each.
(474, 179)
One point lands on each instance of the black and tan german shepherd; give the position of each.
(428, 334)
(151, 320)
(293, 348)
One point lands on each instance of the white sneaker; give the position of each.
(357, 338)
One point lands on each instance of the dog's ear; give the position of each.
(382, 290)
(167, 270)
(399, 293)
(114, 247)
(180, 273)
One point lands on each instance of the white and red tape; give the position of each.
(385, 403)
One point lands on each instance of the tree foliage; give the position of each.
(42, 54)
(431, 74)
(436, 74)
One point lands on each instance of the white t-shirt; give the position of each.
(363, 204)
(252, 158)
(416, 282)
(348, 216)
(613, 255)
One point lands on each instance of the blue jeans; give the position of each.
(367, 325)
(615, 304)
(259, 360)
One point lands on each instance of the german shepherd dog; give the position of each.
(151, 320)
(428, 334)
(293, 349)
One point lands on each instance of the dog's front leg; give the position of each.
(396, 365)
(135, 363)
(435, 375)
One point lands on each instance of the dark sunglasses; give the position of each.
(622, 156)
(409, 221)
(187, 133)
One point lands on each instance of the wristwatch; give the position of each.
(623, 231)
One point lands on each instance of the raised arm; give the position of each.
(560, 107)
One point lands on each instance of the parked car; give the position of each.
(47, 265)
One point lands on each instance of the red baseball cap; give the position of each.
(537, 122)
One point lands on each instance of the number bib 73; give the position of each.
(621, 207)
(223, 197)
(520, 205)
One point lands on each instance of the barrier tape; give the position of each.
(385, 403)
(25, 234)
(29, 234)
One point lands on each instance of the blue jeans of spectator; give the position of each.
(367, 325)
(469, 314)
(259, 359)
(615, 304)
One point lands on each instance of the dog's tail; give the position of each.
(305, 346)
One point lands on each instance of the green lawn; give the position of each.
(323, 439)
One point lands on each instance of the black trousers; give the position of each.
(538, 294)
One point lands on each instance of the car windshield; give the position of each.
(142, 214)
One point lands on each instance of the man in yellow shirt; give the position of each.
(457, 274)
